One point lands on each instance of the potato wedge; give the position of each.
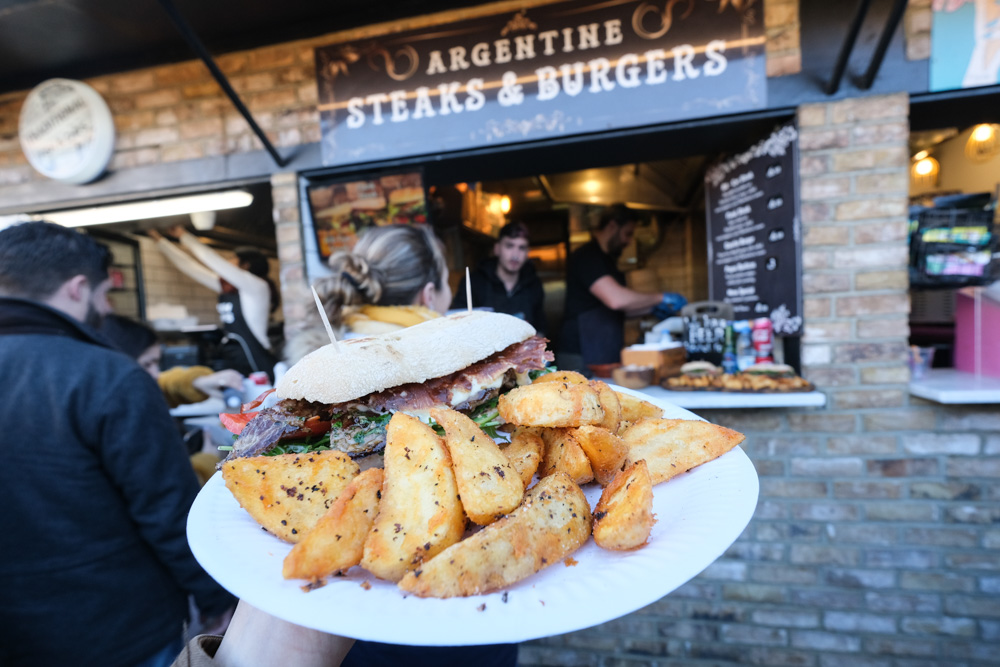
(569, 377)
(489, 485)
(287, 494)
(564, 454)
(420, 512)
(337, 540)
(525, 452)
(553, 404)
(673, 446)
(611, 405)
(634, 409)
(624, 517)
(605, 451)
(551, 523)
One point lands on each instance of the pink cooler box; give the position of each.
(965, 334)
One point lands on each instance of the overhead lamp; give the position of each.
(505, 204)
(154, 208)
(983, 143)
(591, 185)
(920, 156)
(925, 171)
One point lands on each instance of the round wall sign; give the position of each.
(66, 131)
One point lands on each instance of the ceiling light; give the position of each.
(982, 144)
(155, 208)
(983, 132)
(925, 172)
(505, 204)
(591, 185)
(921, 155)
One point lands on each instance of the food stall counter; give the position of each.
(950, 386)
(723, 400)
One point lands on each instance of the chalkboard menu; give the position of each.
(754, 234)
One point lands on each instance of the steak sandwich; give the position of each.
(342, 396)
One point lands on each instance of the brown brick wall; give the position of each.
(875, 540)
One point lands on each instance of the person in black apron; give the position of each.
(597, 300)
(247, 297)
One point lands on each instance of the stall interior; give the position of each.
(147, 286)
(954, 183)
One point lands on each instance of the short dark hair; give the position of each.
(619, 214)
(130, 336)
(514, 230)
(36, 258)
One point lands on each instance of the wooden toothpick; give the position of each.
(468, 290)
(326, 320)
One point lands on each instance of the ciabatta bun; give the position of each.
(361, 366)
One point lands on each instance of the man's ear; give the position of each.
(76, 288)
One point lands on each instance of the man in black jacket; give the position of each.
(97, 485)
(507, 282)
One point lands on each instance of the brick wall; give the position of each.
(876, 540)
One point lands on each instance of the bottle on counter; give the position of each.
(729, 364)
(745, 356)
(762, 336)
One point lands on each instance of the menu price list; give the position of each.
(754, 233)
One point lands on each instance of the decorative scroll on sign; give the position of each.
(552, 70)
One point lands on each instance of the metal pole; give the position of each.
(845, 50)
(195, 43)
(883, 44)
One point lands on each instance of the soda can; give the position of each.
(762, 336)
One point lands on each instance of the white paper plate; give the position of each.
(699, 514)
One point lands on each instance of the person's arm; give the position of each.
(618, 297)
(142, 453)
(186, 264)
(239, 278)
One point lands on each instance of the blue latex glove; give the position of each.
(669, 306)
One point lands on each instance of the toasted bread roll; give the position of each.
(420, 512)
(489, 485)
(611, 405)
(552, 522)
(287, 494)
(337, 540)
(673, 446)
(568, 377)
(553, 404)
(605, 451)
(624, 517)
(525, 452)
(564, 454)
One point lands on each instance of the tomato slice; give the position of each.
(235, 423)
(314, 426)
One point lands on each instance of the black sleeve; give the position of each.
(142, 451)
(458, 301)
(538, 319)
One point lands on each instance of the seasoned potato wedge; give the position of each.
(611, 405)
(564, 454)
(551, 523)
(337, 540)
(634, 409)
(553, 404)
(568, 377)
(489, 485)
(525, 452)
(420, 512)
(287, 494)
(673, 446)
(605, 451)
(624, 517)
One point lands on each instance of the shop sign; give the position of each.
(548, 71)
(66, 131)
(754, 233)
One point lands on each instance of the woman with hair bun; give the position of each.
(396, 276)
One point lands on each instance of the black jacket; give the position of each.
(526, 300)
(96, 568)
